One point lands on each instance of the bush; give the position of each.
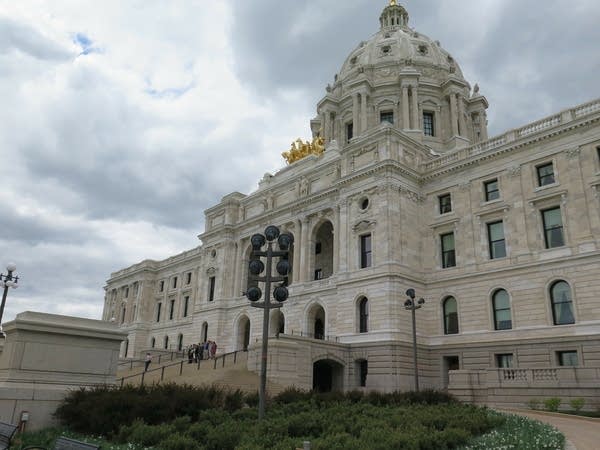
(179, 442)
(533, 403)
(251, 399)
(552, 404)
(577, 404)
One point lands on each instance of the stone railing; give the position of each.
(510, 136)
(516, 386)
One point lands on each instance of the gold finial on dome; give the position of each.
(393, 3)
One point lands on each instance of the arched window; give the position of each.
(450, 316)
(363, 315)
(204, 332)
(153, 342)
(501, 306)
(180, 342)
(562, 303)
(166, 343)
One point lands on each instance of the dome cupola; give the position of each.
(393, 16)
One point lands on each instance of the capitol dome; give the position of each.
(396, 45)
(402, 79)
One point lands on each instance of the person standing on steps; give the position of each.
(147, 362)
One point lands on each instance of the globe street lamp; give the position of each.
(410, 305)
(7, 281)
(280, 293)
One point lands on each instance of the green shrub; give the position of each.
(233, 400)
(251, 399)
(577, 404)
(292, 395)
(533, 403)
(146, 435)
(552, 404)
(179, 442)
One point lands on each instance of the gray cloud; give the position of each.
(23, 38)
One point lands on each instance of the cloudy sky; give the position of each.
(122, 120)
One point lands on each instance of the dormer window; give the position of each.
(349, 131)
(386, 50)
(428, 129)
(386, 116)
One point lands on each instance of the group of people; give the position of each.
(202, 350)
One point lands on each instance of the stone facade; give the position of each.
(500, 236)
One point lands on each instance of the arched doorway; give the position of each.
(277, 324)
(323, 251)
(316, 322)
(328, 376)
(243, 333)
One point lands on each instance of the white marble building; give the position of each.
(500, 236)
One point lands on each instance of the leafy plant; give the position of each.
(552, 403)
(577, 404)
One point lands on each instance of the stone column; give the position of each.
(415, 108)
(239, 270)
(461, 116)
(405, 109)
(336, 239)
(325, 126)
(355, 124)
(363, 112)
(304, 251)
(298, 243)
(453, 113)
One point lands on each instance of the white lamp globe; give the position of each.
(11, 267)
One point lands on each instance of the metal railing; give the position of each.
(163, 356)
(221, 359)
(316, 336)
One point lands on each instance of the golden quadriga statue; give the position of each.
(300, 150)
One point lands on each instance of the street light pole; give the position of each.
(7, 281)
(410, 304)
(280, 293)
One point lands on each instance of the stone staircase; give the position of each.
(228, 371)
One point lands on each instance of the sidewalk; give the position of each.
(582, 432)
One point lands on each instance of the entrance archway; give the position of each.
(316, 322)
(243, 333)
(328, 376)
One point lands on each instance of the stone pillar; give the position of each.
(405, 109)
(363, 112)
(415, 108)
(355, 123)
(304, 251)
(461, 116)
(298, 243)
(239, 270)
(483, 125)
(453, 113)
(336, 239)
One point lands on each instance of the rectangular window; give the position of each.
(386, 116)
(553, 228)
(317, 248)
(158, 308)
(186, 304)
(174, 284)
(568, 358)
(349, 131)
(445, 202)
(448, 254)
(428, 129)
(161, 286)
(188, 278)
(126, 292)
(318, 274)
(211, 289)
(504, 360)
(545, 174)
(171, 309)
(365, 251)
(496, 240)
(491, 190)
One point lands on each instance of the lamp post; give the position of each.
(280, 293)
(7, 281)
(412, 306)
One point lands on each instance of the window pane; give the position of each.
(498, 249)
(552, 218)
(450, 316)
(504, 360)
(501, 300)
(445, 203)
(545, 174)
(428, 124)
(448, 242)
(568, 359)
(387, 116)
(491, 190)
(496, 231)
(562, 304)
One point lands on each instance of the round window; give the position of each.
(213, 253)
(364, 203)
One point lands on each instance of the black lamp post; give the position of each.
(7, 281)
(280, 293)
(410, 305)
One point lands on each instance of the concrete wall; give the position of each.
(47, 355)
